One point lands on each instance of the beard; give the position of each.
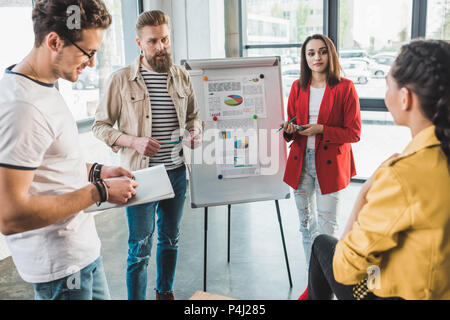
(58, 69)
(160, 65)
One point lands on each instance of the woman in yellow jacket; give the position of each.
(397, 241)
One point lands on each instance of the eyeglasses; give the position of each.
(90, 56)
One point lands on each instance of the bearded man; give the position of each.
(154, 105)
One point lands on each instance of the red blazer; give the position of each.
(341, 119)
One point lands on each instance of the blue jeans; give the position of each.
(316, 211)
(141, 225)
(87, 284)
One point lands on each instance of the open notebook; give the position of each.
(154, 185)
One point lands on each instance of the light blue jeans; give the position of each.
(88, 284)
(317, 212)
(141, 224)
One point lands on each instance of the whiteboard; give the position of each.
(206, 189)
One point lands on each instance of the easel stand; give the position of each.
(228, 252)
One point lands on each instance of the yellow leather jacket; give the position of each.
(404, 229)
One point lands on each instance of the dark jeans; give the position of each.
(321, 282)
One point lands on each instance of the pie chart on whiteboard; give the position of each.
(233, 100)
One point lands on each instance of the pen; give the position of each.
(288, 123)
(171, 142)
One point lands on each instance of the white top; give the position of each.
(315, 99)
(39, 133)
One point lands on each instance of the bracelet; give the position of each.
(99, 192)
(91, 173)
(94, 172)
(101, 188)
(97, 170)
(105, 187)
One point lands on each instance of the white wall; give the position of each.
(197, 27)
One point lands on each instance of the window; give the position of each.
(370, 37)
(290, 64)
(82, 96)
(380, 138)
(438, 19)
(288, 21)
(277, 28)
(373, 31)
(15, 15)
(369, 34)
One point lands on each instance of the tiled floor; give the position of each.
(257, 270)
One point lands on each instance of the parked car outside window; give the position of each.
(357, 71)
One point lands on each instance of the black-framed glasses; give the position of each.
(90, 56)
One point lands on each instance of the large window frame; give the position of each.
(331, 29)
(130, 11)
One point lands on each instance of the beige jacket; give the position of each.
(127, 104)
(404, 229)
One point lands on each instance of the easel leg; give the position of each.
(284, 244)
(229, 227)
(205, 248)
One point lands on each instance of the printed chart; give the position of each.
(236, 98)
(237, 148)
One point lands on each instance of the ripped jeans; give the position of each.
(316, 211)
(141, 225)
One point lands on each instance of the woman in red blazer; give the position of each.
(321, 161)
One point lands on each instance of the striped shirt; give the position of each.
(165, 127)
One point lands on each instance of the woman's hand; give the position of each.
(311, 130)
(289, 128)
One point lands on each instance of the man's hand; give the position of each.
(311, 130)
(120, 190)
(194, 139)
(113, 172)
(146, 146)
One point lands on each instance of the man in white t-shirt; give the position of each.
(44, 183)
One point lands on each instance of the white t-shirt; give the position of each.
(38, 132)
(315, 99)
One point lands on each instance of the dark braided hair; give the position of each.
(423, 66)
